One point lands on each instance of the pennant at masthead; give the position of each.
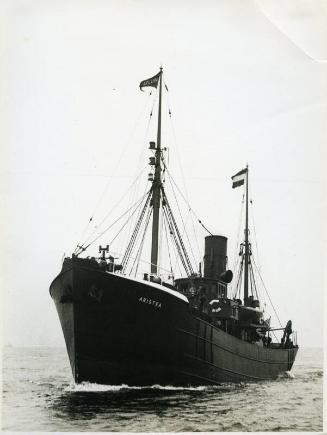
(153, 82)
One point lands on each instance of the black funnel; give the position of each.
(215, 256)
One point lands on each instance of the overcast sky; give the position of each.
(247, 84)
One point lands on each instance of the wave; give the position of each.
(286, 375)
(312, 375)
(289, 375)
(88, 387)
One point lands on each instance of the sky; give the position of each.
(247, 83)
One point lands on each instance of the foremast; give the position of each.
(152, 204)
(159, 199)
(247, 252)
(156, 190)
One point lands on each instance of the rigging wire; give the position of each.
(141, 155)
(267, 293)
(254, 283)
(236, 256)
(186, 201)
(173, 236)
(136, 204)
(123, 196)
(176, 249)
(123, 226)
(131, 244)
(184, 232)
(175, 239)
(115, 170)
(160, 256)
(140, 248)
(237, 270)
(262, 294)
(132, 223)
(182, 220)
(112, 209)
(181, 166)
(239, 280)
(142, 242)
(119, 254)
(169, 256)
(167, 205)
(254, 230)
(238, 239)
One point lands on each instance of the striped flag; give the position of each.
(238, 179)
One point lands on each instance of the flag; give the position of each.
(153, 81)
(238, 179)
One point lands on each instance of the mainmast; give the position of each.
(246, 239)
(156, 187)
(238, 180)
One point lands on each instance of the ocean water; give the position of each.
(39, 395)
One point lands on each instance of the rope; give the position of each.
(178, 234)
(134, 194)
(238, 239)
(123, 226)
(142, 242)
(119, 254)
(139, 251)
(174, 236)
(113, 208)
(181, 168)
(135, 233)
(183, 223)
(202, 225)
(253, 283)
(186, 201)
(254, 230)
(239, 280)
(169, 256)
(127, 237)
(82, 248)
(267, 294)
(134, 182)
(127, 143)
(160, 229)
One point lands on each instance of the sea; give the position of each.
(39, 395)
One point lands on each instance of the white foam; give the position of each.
(286, 375)
(88, 387)
(290, 375)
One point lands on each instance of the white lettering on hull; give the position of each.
(149, 301)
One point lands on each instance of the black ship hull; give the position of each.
(123, 331)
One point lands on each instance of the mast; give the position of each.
(156, 190)
(246, 241)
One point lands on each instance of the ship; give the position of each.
(189, 331)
